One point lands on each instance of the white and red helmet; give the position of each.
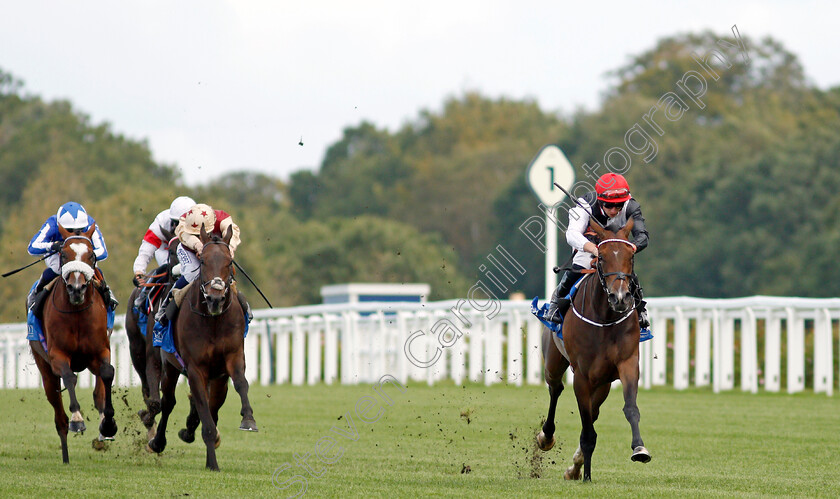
(198, 215)
(179, 206)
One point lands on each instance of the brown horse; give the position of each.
(75, 327)
(144, 356)
(209, 337)
(601, 343)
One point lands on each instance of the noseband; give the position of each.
(77, 266)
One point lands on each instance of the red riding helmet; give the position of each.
(612, 188)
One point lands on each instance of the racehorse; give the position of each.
(208, 334)
(75, 328)
(600, 340)
(144, 356)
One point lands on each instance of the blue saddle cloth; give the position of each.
(541, 311)
(162, 336)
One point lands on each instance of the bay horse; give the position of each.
(209, 337)
(75, 328)
(145, 357)
(600, 340)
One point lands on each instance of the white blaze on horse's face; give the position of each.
(80, 250)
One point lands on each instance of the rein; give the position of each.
(76, 266)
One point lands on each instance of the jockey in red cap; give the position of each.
(612, 205)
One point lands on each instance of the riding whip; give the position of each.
(252, 283)
(7, 274)
(585, 208)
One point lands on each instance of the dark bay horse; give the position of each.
(601, 343)
(144, 356)
(209, 337)
(75, 327)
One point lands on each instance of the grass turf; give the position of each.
(444, 440)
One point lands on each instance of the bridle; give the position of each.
(620, 276)
(75, 266)
(602, 277)
(216, 283)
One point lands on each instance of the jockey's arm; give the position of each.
(578, 222)
(640, 233)
(144, 256)
(99, 248)
(234, 240)
(42, 240)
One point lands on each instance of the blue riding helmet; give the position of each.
(72, 216)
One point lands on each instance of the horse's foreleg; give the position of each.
(60, 364)
(236, 370)
(52, 388)
(555, 368)
(105, 406)
(198, 387)
(629, 373)
(218, 394)
(588, 437)
(153, 378)
(168, 382)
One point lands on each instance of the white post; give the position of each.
(795, 352)
(514, 349)
(703, 359)
(331, 353)
(681, 350)
(749, 360)
(533, 352)
(773, 353)
(550, 252)
(823, 365)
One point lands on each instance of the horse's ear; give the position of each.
(228, 234)
(64, 232)
(203, 235)
(601, 233)
(624, 232)
(90, 231)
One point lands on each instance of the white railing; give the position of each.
(362, 342)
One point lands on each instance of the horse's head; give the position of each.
(77, 262)
(615, 265)
(216, 271)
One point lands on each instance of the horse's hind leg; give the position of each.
(555, 368)
(236, 370)
(168, 382)
(218, 394)
(52, 388)
(188, 434)
(629, 374)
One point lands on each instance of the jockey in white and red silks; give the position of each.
(155, 245)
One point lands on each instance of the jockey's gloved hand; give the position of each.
(55, 246)
(138, 279)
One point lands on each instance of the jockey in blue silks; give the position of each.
(48, 240)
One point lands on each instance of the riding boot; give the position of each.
(644, 322)
(160, 315)
(246, 307)
(559, 303)
(46, 277)
(111, 301)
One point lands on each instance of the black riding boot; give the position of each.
(46, 277)
(644, 322)
(246, 307)
(559, 303)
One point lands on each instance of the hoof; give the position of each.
(640, 455)
(542, 442)
(103, 438)
(572, 473)
(146, 417)
(108, 428)
(248, 425)
(218, 439)
(186, 435)
(154, 407)
(77, 426)
(157, 449)
(150, 434)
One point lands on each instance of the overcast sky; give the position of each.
(219, 86)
